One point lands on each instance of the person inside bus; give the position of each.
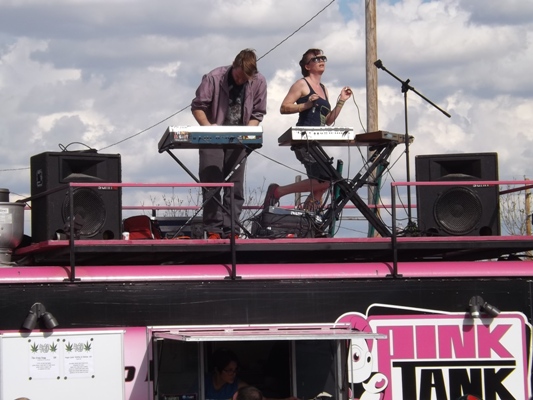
(223, 382)
(310, 99)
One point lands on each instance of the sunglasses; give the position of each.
(230, 371)
(318, 59)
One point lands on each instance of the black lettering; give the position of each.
(130, 374)
(408, 379)
(461, 383)
(432, 379)
(494, 384)
(463, 377)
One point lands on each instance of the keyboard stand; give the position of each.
(348, 191)
(214, 192)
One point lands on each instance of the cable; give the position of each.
(292, 34)
(280, 163)
(14, 169)
(144, 130)
(65, 148)
(388, 172)
(358, 113)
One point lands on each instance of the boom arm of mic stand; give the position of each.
(406, 86)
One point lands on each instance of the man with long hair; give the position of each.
(230, 95)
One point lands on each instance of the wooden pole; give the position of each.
(371, 86)
(528, 210)
(297, 196)
(371, 70)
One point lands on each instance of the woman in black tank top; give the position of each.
(316, 115)
(309, 98)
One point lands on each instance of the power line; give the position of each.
(146, 129)
(186, 107)
(292, 34)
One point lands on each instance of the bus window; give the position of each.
(315, 367)
(177, 368)
(281, 360)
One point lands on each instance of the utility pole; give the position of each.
(527, 209)
(371, 70)
(371, 89)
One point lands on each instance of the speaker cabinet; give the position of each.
(97, 210)
(458, 210)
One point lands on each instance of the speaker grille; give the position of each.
(89, 210)
(458, 211)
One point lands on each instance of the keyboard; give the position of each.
(321, 134)
(196, 137)
(380, 137)
(328, 136)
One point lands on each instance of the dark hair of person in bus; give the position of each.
(249, 393)
(223, 382)
(222, 358)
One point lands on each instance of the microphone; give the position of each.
(314, 108)
(378, 64)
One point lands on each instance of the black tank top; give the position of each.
(316, 115)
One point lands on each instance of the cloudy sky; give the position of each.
(113, 74)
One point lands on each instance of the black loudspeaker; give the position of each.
(458, 210)
(97, 210)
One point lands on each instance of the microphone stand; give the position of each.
(405, 88)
